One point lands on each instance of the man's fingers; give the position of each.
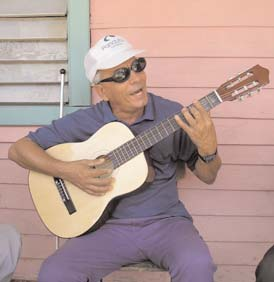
(190, 120)
(195, 112)
(101, 182)
(99, 189)
(94, 172)
(180, 122)
(200, 108)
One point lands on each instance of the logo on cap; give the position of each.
(107, 38)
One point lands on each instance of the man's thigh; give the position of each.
(92, 256)
(173, 241)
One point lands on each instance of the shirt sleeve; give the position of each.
(75, 127)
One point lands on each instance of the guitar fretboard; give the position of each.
(155, 134)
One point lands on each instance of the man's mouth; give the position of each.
(137, 91)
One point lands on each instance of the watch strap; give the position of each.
(208, 158)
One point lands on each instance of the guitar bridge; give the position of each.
(64, 194)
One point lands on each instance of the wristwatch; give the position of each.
(208, 158)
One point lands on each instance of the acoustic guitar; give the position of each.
(67, 211)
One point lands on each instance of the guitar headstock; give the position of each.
(244, 84)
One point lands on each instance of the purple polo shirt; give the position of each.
(159, 198)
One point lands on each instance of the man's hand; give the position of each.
(200, 128)
(88, 176)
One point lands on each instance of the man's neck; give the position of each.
(129, 117)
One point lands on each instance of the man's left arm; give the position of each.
(201, 131)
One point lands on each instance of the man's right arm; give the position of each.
(30, 155)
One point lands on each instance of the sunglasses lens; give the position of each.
(121, 75)
(138, 65)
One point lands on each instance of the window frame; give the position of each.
(78, 86)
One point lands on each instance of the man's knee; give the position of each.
(195, 265)
(202, 263)
(54, 270)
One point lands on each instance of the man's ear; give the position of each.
(100, 90)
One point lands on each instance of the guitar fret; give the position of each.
(151, 135)
(132, 150)
(127, 151)
(155, 133)
(116, 155)
(164, 128)
(135, 147)
(120, 156)
(215, 97)
(159, 132)
(173, 124)
(141, 143)
(146, 139)
(169, 125)
(209, 102)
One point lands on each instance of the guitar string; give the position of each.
(153, 135)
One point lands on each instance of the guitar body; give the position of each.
(90, 210)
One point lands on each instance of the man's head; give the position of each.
(117, 75)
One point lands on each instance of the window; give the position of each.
(36, 41)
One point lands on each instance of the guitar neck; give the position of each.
(155, 134)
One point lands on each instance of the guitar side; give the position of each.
(89, 208)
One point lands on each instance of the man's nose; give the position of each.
(134, 76)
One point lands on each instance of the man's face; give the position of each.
(126, 97)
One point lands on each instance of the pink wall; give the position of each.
(192, 48)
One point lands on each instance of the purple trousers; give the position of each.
(171, 243)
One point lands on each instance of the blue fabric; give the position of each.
(172, 243)
(157, 198)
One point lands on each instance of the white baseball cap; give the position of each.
(108, 52)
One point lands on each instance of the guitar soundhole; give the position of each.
(64, 194)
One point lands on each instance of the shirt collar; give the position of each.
(149, 113)
(107, 112)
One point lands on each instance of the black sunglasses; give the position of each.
(121, 75)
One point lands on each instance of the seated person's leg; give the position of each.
(265, 269)
(10, 245)
(175, 244)
(90, 257)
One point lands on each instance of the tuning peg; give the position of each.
(241, 98)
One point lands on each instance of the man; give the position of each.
(10, 245)
(151, 223)
(265, 269)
